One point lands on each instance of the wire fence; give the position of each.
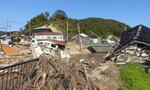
(13, 77)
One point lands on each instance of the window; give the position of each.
(49, 37)
(47, 43)
(53, 45)
(40, 43)
(54, 37)
(60, 37)
(33, 41)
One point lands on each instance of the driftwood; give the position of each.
(51, 73)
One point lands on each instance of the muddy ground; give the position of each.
(99, 57)
(105, 75)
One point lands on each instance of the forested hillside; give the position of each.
(100, 26)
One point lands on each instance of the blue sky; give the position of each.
(131, 12)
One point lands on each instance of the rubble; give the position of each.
(80, 72)
(53, 74)
(13, 54)
(138, 44)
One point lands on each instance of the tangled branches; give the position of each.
(51, 73)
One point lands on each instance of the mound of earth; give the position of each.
(106, 76)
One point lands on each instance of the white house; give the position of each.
(50, 39)
(45, 41)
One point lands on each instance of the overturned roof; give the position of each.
(11, 51)
(138, 35)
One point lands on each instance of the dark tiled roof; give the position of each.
(33, 31)
(139, 33)
(48, 33)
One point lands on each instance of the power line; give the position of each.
(8, 25)
(2, 28)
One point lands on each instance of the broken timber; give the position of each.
(46, 73)
(53, 74)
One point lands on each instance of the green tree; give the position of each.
(47, 15)
(37, 21)
(59, 14)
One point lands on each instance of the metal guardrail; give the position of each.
(12, 77)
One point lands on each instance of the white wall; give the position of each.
(53, 37)
(95, 40)
(5, 42)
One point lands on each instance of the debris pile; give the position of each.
(13, 54)
(51, 73)
(138, 44)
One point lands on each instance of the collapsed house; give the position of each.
(138, 36)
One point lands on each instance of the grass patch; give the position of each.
(134, 77)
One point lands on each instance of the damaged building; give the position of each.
(137, 37)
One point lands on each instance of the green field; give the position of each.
(134, 77)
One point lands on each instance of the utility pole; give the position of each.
(79, 37)
(7, 27)
(67, 30)
(29, 29)
(125, 28)
(66, 49)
